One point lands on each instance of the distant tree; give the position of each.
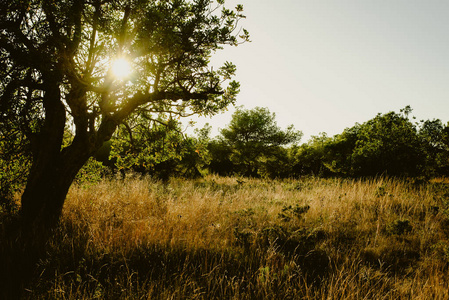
(310, 158)
(158, 148)
(339, 151)
(63, 65)
(276, 165)
(253, 134)
(220, 158)
(388, 144)
(144, 144)
(434, 143)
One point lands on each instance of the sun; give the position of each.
(121, 68)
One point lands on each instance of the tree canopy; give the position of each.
(253, 133)
(387, 143)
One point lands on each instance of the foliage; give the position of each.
(15, 161)
(387, 144)
(275, 164)
(252, 135)
(158, 148)
(146, 143)
(340, 150)
(435, 145)
(311, 157)
(220, 158)
(92, 172)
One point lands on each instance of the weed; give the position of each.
(289, 212)
(399, 227)
(381, 191)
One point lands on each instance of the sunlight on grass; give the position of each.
(218, 238)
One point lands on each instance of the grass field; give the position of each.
(224, 238)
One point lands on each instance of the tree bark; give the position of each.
(53, 169)
(53, 172)
(47, 188)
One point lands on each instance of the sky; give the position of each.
(324, 65)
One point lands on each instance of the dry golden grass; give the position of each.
(216, 238)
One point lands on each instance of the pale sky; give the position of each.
(323, 65)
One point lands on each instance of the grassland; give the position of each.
(223, 238)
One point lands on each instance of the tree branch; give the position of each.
(90, 63)
(143, 98)
(130, 132)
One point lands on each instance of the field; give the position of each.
(229, 238)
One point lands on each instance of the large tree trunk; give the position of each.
(42, 202)
(52, 174)
(47, 188)
(53, 169)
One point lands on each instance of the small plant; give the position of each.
(380, 191)
(441, 249)
(243, 237)
(400, 227)
(293, 212)
(264, 274)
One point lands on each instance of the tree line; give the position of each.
(252, 144)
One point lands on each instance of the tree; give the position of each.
(90, 65)
(388, 143)
(252, 134)
(310, 158)
(339, 151)
(433, 135)
(220, 158)
(158, 148)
